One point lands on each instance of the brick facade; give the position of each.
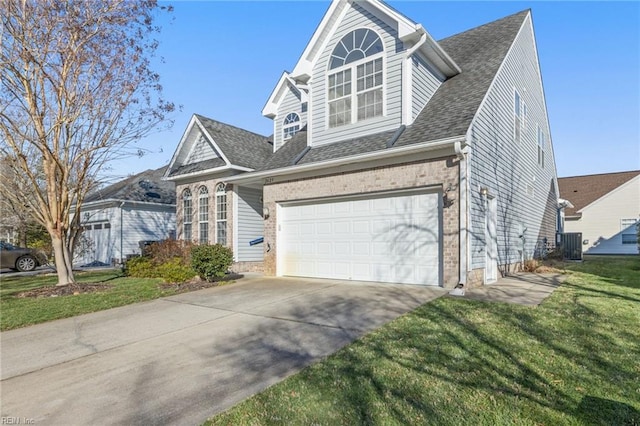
(439, 174)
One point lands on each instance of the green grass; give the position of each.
(573, 360)
(20, 312)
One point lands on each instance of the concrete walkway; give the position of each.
(523, 289)
(181, 359)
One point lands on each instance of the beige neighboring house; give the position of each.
(606, 209)
(394, 157)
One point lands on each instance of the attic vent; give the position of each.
(152, 195)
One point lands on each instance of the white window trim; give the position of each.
(517, 116)
(354, 93)
(203, 196)
(220, 192)
(540, 135)
(354, 90)
(187, 219)
(291, 125)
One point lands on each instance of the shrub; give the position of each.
(167, 250)
(140, 267)
(175, 271)
(530, 265)
(211, 261)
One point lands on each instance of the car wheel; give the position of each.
(26, 263)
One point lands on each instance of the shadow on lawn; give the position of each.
(510, 352)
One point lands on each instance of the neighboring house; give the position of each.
(116, 218)
(394, 158)
(606, 209)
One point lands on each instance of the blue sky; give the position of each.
(223, 59)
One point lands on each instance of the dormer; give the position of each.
(367, 69)
(287, 107)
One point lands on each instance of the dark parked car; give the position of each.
(20, 258)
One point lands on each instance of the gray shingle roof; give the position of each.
(147, 186)
(196, 167)
(241, 147)
(479, 52)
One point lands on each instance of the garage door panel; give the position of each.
(390, 239)
(323, 227)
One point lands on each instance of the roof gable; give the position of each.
(407, 30)
(209, 144)
(582, 191)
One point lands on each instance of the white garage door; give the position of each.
(387, 238)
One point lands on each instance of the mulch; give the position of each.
(82, 288)
(66, 290)
(198, 284)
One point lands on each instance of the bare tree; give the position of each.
(76, 89)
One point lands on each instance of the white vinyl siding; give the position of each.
(201, 151)
(250, 225)
(604, 221)
(320, 131)
(290, 102)
(510, 169)
(135, 227)
(425, 84)
(386, 238)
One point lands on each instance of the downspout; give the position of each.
(406, 78)
(396, 135)
(463, 187)
(299, 156)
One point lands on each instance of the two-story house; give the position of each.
(394, 157)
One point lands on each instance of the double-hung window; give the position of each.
(629, 231)
(541, 147)
(187, 212)
(203, 215)
(517, 117)
(290, 125)
(355, 80)
(221, 214)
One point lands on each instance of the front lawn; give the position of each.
(19, 312)
(573, 360)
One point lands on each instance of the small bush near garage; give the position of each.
(169, 260)
(211, 262)
(175, 271)
(140, 267)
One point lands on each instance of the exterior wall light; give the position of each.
(265, 212)
(484, 191)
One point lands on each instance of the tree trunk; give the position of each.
(62, 255)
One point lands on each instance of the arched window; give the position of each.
(221, 214)
(290, 125)
(203, 215)
(187, 213)
(357, 56)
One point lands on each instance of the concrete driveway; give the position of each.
(181, 359)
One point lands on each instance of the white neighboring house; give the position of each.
(606, 211)
(116, 218)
